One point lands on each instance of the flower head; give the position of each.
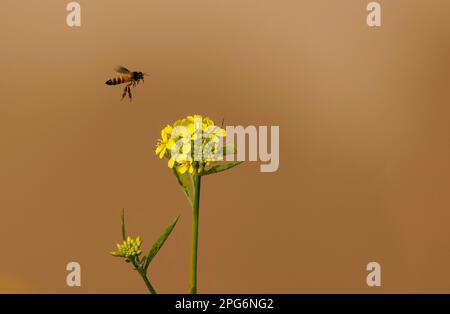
(129, 248)
(191, 143)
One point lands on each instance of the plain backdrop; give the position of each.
(364, 144)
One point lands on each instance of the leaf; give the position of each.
(124, 233)
(159, 243)
(185, 181)
(222, 167)
(142, 262)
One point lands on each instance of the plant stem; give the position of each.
(147, 283)
(193, 273)
(144, 277)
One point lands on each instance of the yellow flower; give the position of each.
(129, 248)
(180, 152)
(184, 166)
(214, 132)
(165, 142)
(191, 144)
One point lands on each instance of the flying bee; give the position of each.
(126, 76)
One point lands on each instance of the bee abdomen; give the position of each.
(115, 81)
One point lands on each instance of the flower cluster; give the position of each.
(129, 248)
(191, 144)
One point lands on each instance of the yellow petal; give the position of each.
(186, 148)
(158, 149)
(171, 162)
(182, 168)
(170, 143)
(180, 158)
(191, 128)
(162, 153)
(168, 129)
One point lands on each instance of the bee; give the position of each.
(126, 76)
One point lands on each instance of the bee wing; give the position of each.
(121, 69)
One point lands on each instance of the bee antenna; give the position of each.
(146, 74)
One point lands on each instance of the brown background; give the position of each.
(364, 162)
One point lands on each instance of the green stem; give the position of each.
(147, 283)
(193, 273)
(144, 277)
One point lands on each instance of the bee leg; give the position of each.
(124, 92)
(129, 93)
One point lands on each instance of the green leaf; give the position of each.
(159, 243)
(185, 182)
(222, 167)
(124, 233)
(142, 262)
